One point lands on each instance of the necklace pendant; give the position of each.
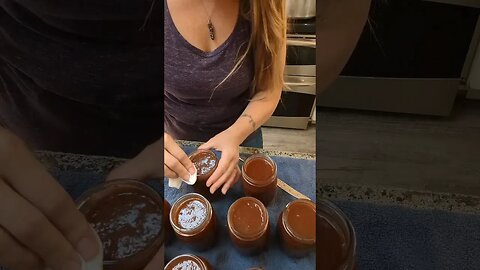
(211, 30)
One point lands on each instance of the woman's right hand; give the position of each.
(40, 225)
(176, 163)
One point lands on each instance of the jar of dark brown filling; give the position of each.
(248, 225)
(193, 220)
(336, 239)
(169, 234)
(259, 174)
(128, 217)
(296, 226)
(187, 262)
(206, 163)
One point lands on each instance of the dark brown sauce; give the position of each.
(331, 246)
(301, 219)
(188, 262)
(205, 162)
(191, 214)
(248, 218)
(185, 263)
(126, 222)
(259, 169)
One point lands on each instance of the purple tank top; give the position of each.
(192, 112)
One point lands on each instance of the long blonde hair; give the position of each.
(267, 41)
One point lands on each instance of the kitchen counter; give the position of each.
(385, 195)
(395, 223)
(401, 197)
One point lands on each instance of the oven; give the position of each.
(413, 57)
(473, 80)
(298, 102)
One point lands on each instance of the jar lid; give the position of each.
(190, 214)
(247, 218)
(299, 219)
(187, 261)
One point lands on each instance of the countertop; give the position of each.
(382, 195)
(401, 197)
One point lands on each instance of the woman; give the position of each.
(224, 63)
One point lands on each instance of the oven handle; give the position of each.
(299, 84)
(303, 43)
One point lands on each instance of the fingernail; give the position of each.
(191, 170)
(72, 265)
(186, 177)
(88, 248)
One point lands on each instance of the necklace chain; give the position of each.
(211, 27)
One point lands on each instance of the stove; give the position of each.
(297, 105)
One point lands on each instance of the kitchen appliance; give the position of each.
(301, 9)
(473, 81)
(412, 58)
(298, 101)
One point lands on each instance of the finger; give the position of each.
(169, 173)
(158, 261)
(207, 145)
(232, 181)
(33, 230)
(145, 165)
(176, 166)
(15, 256)
(229, 173)
(28, 177)
(175, 150)
(225, 161)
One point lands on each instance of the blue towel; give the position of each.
(394, 237)
(300, 174)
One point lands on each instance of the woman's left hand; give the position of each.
(227, 172)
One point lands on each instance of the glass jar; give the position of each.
(188, 261)
(109, 206)
(259, 173)
(296, 226)
(337, 242)
(206, 162)
(166, 222)
(248, 225)
(193, 220)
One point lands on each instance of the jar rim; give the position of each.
(198, 259)
(128, 182)
(235, 231)
(287, 226)
(198, 151)
(201, 227)
(254, 182)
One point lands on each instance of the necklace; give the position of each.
(211, 27)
